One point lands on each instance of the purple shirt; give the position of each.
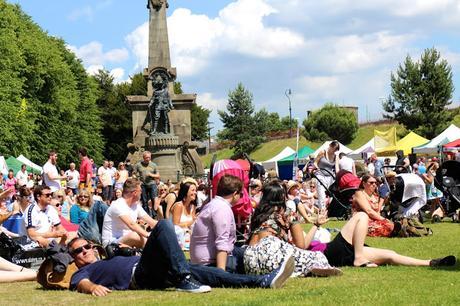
(214, 230)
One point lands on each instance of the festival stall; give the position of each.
(363, 151)
(272, 163)
(406, 144)
(15, 165)
(3, 166)
(286, 164)
(434, 146)
(325, 145)
(31, 164)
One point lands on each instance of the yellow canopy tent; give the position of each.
(406, 144)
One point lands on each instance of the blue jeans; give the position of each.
(149, 192)
(163, 265)
(107, 192)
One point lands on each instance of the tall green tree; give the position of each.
(420, 94)
(239, 121)
(42, 88)
(331, 122)
(115, 115)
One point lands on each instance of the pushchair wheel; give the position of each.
(435, 219)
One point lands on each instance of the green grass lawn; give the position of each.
(357, 286)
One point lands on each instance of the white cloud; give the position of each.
(207, 100)
(138, 42)
(351, 53)
(86, 12)
(239, 29)
(118, 74)
(93, 54)
(94, 69)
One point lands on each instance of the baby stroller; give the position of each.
(448, 181)
(243, 209)
(407, 197)
(341, 193)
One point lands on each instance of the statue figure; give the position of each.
(156, 4)
(160, 103)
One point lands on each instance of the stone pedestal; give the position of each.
(174, 153)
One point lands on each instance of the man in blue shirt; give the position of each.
(161, 265)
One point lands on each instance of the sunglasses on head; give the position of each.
(77, 251)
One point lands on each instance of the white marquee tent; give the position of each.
(325, 145)
(29, 163)
(272, 162)
(450, 134)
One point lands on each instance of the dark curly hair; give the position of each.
(273, 199)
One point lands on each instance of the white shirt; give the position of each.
(113, 227)
(50, 169)
(346, 163)
(22, 177)
(41, 220)
(73, 183)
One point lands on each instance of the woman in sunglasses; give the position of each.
(57, 202)
(367, 200)
(80, 210)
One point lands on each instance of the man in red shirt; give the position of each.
(86, 169)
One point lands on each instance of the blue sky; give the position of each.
(340, 51)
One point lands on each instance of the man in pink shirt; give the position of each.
(214, 233)
(86, 169)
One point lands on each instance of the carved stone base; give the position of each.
(162, 142)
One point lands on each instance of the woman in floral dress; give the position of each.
(273, 226)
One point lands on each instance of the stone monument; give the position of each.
(161, 120)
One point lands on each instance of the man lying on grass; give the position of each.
(161, 265)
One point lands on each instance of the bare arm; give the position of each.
(318, 157)
(177, 213)
(221, 259)
(149, 220)
(363, 203)
(88, 287)
(297, 236)
(134, 226)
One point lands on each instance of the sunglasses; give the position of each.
(372, 182)
(83, 197)
(58, 204)
(80, 249)
(48, 195)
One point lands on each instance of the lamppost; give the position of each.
(210, 127)
(288, 93)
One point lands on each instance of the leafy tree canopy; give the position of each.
(331, 122)
(240, 123)
(420, 94)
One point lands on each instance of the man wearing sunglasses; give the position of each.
(42, 220)
(161, 265)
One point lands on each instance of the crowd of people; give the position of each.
(163, 220)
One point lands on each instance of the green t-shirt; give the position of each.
(142, 170)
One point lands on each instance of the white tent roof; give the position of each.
(3, 166)
(324, 146)
(29, 163)
(356, 154)
(369, 144)
(272, 162)
(450, 134)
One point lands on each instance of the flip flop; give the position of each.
(368, 264)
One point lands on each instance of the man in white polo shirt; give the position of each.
(51, 177)
(42, 220)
